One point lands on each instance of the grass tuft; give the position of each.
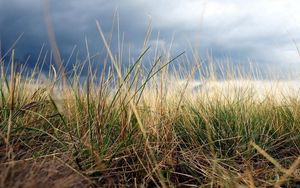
(137, 127)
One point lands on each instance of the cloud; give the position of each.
(260, 30)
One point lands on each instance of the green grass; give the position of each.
(139, 127)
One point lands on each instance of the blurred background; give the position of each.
(260, 31)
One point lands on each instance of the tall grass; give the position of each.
(151, 127)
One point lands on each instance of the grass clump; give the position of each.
(149, 128)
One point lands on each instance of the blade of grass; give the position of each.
(11, 98)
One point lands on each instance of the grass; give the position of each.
(139, 127)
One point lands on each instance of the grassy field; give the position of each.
(147, 128)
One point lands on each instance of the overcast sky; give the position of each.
(259, 30)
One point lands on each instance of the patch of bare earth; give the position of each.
(44, 172)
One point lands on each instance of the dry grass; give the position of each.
(147, 128)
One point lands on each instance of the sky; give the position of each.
(262, 31)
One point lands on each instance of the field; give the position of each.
(155, 127)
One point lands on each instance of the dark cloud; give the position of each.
(260, 30)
